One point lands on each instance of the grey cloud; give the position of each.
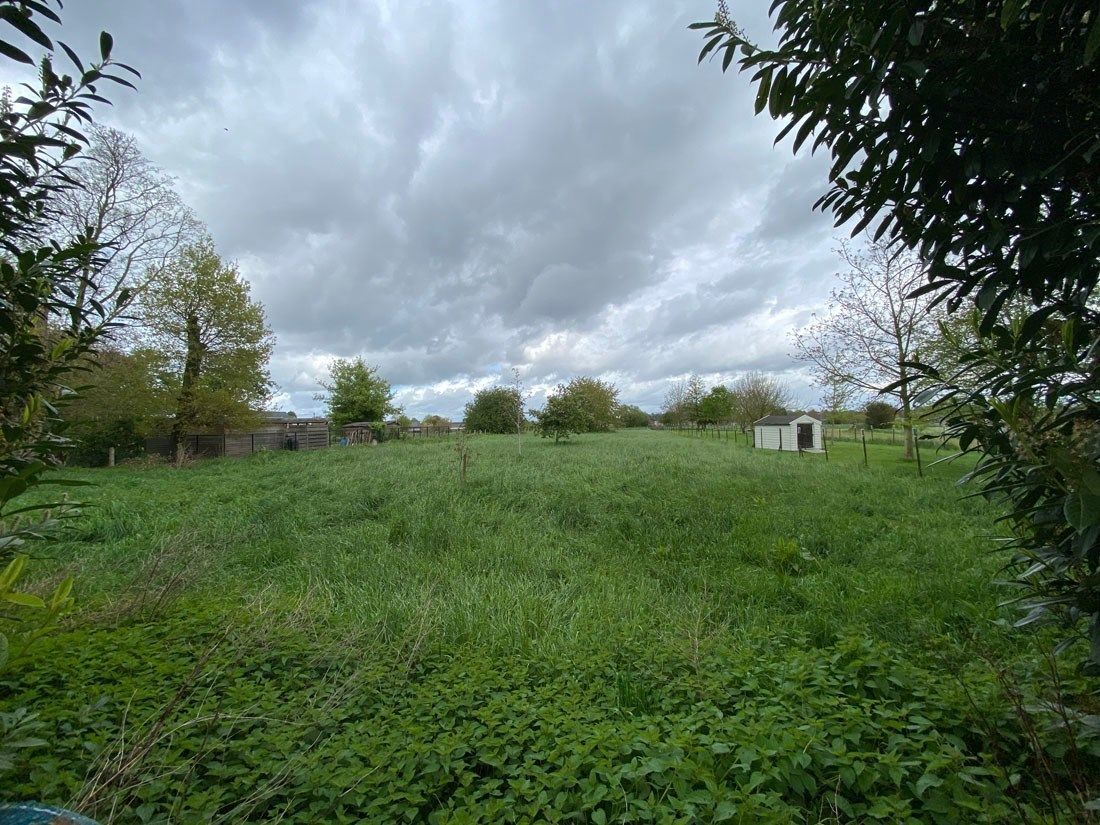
(446, 188)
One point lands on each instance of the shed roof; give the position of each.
(782, 420)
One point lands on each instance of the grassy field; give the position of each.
(639, 626)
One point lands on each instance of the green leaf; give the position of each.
(1082, 509)
(24, 599)
(9, 51)
(916, 32)
(106, 43)
(1092, 42)
(1010, 12)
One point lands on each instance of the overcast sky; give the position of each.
(451, 189)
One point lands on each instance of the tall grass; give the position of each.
(632, 534)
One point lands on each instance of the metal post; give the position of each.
(916, 446)
(864, 434)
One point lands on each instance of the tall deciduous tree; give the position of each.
(755, 395)
(129, 208)
(197, 311)
(872, 331)
(357, 392)
(968, 131)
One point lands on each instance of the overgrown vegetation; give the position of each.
(966, 133)
(650, 626)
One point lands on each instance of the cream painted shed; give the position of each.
(788, 432)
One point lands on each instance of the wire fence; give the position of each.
(929, 443)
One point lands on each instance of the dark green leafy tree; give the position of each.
(879, 414)
(45, 333)
(968, 132)
(494, 410)
(716, 407)
(357, 392)
(565, 414)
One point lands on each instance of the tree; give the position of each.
(124, 398)
(872, 333)
(599, 400)
(521, 420)
(565, 414)
(694, 391)
(437, 421)
(879, 414)
(631, 416)
(673, 412)
(755, 395)
(128, 208)
(494, 411)
(357, 392)
(40, 135)
(836, 395)
(968, 132)
(197, 311)
(716, 406)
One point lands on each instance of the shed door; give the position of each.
(805, 436)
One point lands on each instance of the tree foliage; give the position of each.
(128, 208)
(564, 414)
(357, 392)
(716, 407)
(632, 416)
(494, 410)
(879, 414)
(125, 397)
(198, 313)
(44, 331)
(968, 132)
(598, 399)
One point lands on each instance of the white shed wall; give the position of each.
(768, 437)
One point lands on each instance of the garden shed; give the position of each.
(788, 432)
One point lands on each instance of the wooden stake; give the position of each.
(864, 434)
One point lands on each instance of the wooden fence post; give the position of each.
(110, 456)
(916, 446)
(864, 434)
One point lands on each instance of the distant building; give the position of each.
(788, 432)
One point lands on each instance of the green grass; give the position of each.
(632, 584)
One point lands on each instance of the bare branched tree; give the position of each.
(127, 205)
(872, 330)
(755, 395)
(674, 402)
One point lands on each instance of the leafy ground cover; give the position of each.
(638, 626)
